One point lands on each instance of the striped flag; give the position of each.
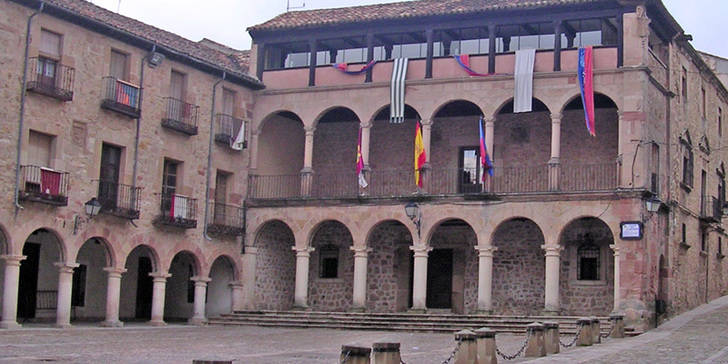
(484, 157)
(399, 74)
(586, 83)
(420, 155)
(360, 164)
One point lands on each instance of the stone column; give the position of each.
(303, 256)
(65, 285)
(113, 289)
(247, 295)
(617, 297)
(489, 144)
(485, 278)
(158, 292)
(10, 291)
(238, 297)
(555, 161)
(552, 306)
(360, 278)
(419, 281)
(198, 316)
(307, 171)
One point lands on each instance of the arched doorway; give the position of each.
(452, 267)
(279, 157)
(88, 297)
(389, 268)
(222, 273)
(331, 268)
(587, 270)
(38, 285)
(179, 295)
(519, 268)
(390, 154)
(334, 153)
(275, 266)
(137, 285)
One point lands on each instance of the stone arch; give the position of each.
(110, 253)
(389, 266)
(195, 259)
(451, 108)
(280, 149)
(382, 113)
(334, 144)
(282, 112)
(404, 224)
(602, 98)
(38, 280)
(57, 241)
(265, 224)
(223, 271)
(312, 231)
(137, 284)
(275, 265)
(506, 107)
(390, 153)
(432, 228)
(180, 288)
(5, 243)
(93, 257)
(331, 267)
(338, 112)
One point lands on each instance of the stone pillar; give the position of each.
(485, 343)
(485, 278)
(617, 296)
(551, 337)
(596, 330)
(419, 281)
(552, 306)
(583, 327)
(11, 281)
(617, 321)
(238, 297)
(360, 278)
(307, 171)
(355, 354)
(555, 161)
(113, 289)
(468, 349)
(158, 292)
(198, 316)
(303, 256)
(536, 346)
(246, 300)
(386, 353)
(489, 140)
(254, 149)
(65, 285)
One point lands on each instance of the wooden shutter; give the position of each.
(117, 68)
(228, 102)
(39, 149)
(50, 43)
(177, 85)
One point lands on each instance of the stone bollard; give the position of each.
(617, 321)
(354, 354)
(536, 346)
(583, 327)
(485, 342)
(468, 351)
(596, 330)
(386, 353)
(551, 337)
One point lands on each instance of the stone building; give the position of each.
(570, 224)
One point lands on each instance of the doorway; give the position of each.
(28, 285)
(145, 285)
(439, 279)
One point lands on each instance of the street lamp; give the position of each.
(413, 212)
(93, 206)
(653, 204)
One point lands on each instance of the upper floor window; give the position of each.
(588, 261)
(684, 85)
(169, 177)
(720, 122)
(228, 101)
(50, 44)
(40, 149)
(686, 146)
(119, 65)
(177, 85)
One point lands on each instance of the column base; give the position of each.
(484, 312)
(9, 325)
(550, 312)
(157, 323)
(197, 321)
(300, 308)
(417, 310)
(62, 326)
(357, 309)
(111, 324)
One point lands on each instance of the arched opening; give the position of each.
(275, 266)
(455, 149)
(452, 268)
(38, 285)
(136, 285)
(389, 268)
(331, 268)
(281, 146)
(519, 268)
(590, 159)
(179, 296)
(522, 149)
(334, 153)
(390, 154)
(222, 273)
(587, 268)
(88, 296)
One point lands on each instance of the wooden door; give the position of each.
(109, 176)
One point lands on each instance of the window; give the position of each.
(221, 182)
(39, 149)
(588, 262)
(78, 286)
(703, 240)
(655, 178)
(720, 246)
(589, 32)
(329, 261)
(684, 85)
(50, 44)
(178, 85)
(169, 177)
(687, 160)
(703, 102)
(228, 102)
(109, 176)
(470, 170)
(119, 65)
(684, 234)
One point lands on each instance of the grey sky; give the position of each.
(225, 21)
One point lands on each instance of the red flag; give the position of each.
(420, 156)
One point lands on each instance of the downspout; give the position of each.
(209, 158)
(19, 146)
(139, 119)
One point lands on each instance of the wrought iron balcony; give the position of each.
(177, 211)
(121, 96)
(51, 78)
(45, 185)
(225, 220)
(227, 128)
(180, 116)
(711, 209)
(119, 199)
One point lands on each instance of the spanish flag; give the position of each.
(420, 156)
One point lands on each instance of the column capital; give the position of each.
(556, 117)
(114, 271)
(485, 251)
(236, 285)
(201, 280)
(615, 248)
(489, 122)
(64, 267)
(160, 276)
(552, 250)
(12, 259)
(309, 130)
(251, 250)
(365, 124)
(303, 252)
(360, 252)
(421, 250)
(426, 122)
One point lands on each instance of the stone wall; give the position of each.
(276, 267)
(462, 240)
(388, 268)
(331, 294)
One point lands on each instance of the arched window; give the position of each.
(329, 261)
(588, 261)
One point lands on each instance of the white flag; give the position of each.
(240, 139)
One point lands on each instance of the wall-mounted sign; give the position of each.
(630, 230)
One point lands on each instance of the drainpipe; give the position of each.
(139, 119)
(19, 147)
(209, 157)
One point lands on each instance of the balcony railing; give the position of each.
(121, 96)
(520, 179)
(335, 185)
(453, 181)
(44, 185)
(710, 209)
(51, 78)
(588, 177)
(180, 116)
(274, 187)
(177, 211)
(225, 220)
(119, 199)
(227, 128)
(391, 183)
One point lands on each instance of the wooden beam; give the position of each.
(312, 64)
(557, 45)
(370, 56)
(491, 47)
(430, 52)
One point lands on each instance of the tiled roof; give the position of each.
(399, 10)
(237, 64)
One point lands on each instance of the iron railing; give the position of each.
(520, 179)
(225, 219)
(588, 177)
(121, 96)
(180, 116)
(46, 300)
(227, 128)
(274, 187)
(51, 78)
(335, 185)
(391, 182)
(45, 185)
(119, 199)
(453, 181)
(176, 210)
(710, 209)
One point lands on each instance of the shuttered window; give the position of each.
(39, 149)
(118, 65)
(177, 85)
(228, 101)
(50, 43)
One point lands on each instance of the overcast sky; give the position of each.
(225, 21)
